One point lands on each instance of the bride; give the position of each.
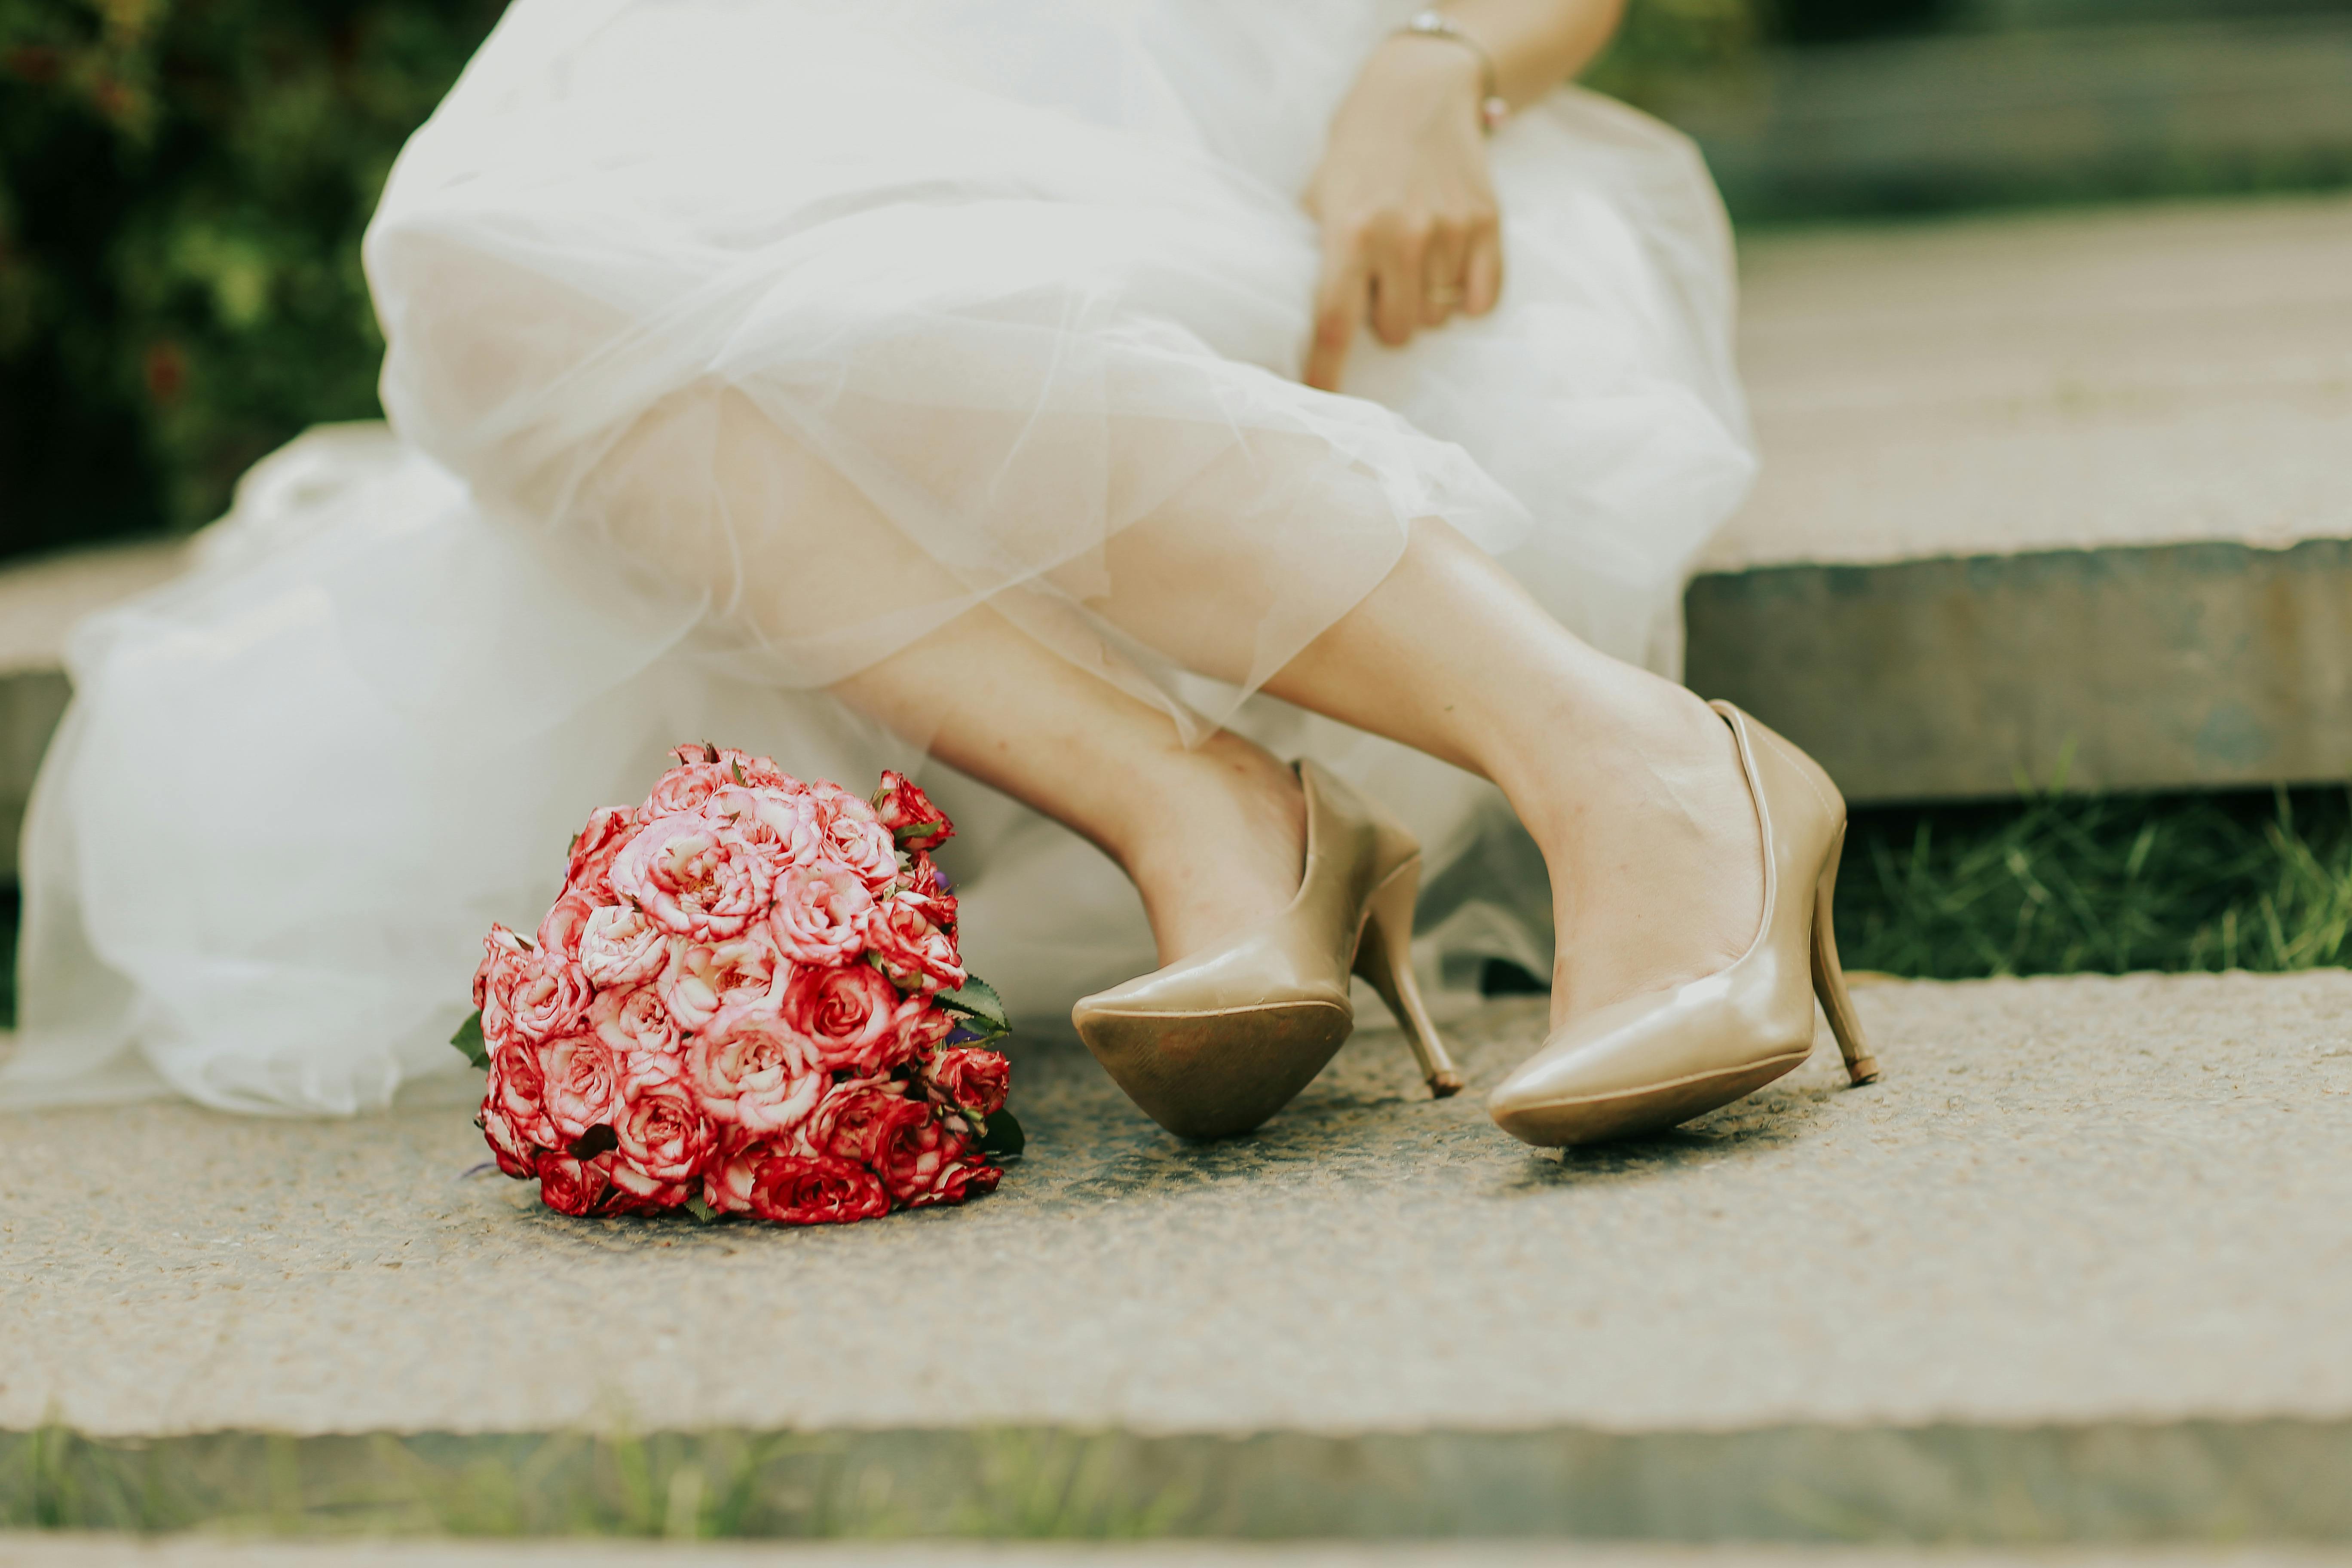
(1111, 399)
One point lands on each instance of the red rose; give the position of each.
(858, 1119)
(752, 1071)
(590, 869)
(915, 953)
(583, 1085)
(971, 1079)
(913, 821)
(925, 1165)
(922, 1163)
(852, 1017)
(797, 1189)
(581, 1187)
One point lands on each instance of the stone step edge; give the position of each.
(2192, 1480)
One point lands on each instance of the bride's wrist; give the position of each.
(1434, 64)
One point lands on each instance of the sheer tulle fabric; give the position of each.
(735, 344)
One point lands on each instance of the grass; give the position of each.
(8, 915)
(2056, 885)
(2076, 884)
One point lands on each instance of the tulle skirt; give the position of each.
(736, 344)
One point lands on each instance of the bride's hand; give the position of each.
(1410, 233)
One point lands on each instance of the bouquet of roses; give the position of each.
(747, 1000)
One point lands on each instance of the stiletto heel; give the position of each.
(1829, 976)
(1215, 1044)
(1653, 1060)
(1384, 957)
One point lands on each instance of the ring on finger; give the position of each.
(1444, 297)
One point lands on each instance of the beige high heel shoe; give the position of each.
(1215, 1044)
(1653, 1060)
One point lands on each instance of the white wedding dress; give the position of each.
(737, 343)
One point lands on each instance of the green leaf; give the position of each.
(700, 1210)
(1003, 1137)
(918, 830)
(469, 1042)
(977, 999)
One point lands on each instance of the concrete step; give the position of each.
(2075, 1271)
(2030, 101)
(2044, 496)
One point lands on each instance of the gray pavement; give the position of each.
(2070, 1200)
(2077, 1268)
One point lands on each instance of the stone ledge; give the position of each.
(65, 1550)
(2213, 1482)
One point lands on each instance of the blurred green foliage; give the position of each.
(183, 188)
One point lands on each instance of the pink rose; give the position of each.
(760, 773)
(695, 875)
(559, 932)
(852, 1017)
(633, 1020)
(915, 953)
(662, 1138)
(818, 914)
(783, 825)
(749, 1070)
(733, 1168)
(858, 1119)
(517, 1086)
(550, 999)
(620, 946)
(682, 790)
(913, 821)
(516, 1154)
(590, 869)
(922, 885)
(583, 1085)
(799, 1189)
(971, 1079)
(506, 960)
(853, 838)
(923, 1164)
(702, 980)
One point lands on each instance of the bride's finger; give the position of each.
(1341, 299)
(1482, 272)
(1396, 288)
(1442, 288)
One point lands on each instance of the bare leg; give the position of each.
(1629, 782)
(1214, 837)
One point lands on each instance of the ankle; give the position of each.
(1224, 791)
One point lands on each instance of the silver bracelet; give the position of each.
(1493, 107)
